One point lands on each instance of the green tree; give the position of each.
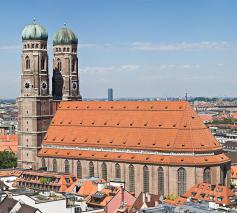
(7, 160)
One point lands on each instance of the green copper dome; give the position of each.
(34, 32)
(64, 36)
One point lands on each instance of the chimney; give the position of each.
(122, 196)
(148, 195)
(144, 197)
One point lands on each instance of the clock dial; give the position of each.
(44, 85)
(27, 85)
(74, 85)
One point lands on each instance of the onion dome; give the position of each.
(64, 36)
(34, 32)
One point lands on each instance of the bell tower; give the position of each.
(34, 101)
(65, 80)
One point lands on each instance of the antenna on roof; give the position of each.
(186, 95)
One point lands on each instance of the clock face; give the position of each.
(44, 85)
(27, 85)
(74, 85)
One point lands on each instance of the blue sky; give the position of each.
(141, 48)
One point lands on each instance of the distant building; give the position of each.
(11, 205)
(110, 94)
(216, 195)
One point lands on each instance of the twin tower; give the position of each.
(36, 104)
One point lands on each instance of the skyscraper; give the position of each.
(110, 94)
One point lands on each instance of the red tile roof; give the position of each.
(216, 193)
(160, 125)
(233, 172)
(8, 143)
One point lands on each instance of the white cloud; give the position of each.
(98, 69)
(182, 46)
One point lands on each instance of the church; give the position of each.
(161, 147)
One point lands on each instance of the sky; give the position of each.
(140, 48)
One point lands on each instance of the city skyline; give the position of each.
(141, 48)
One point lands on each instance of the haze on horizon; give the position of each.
(141, 48)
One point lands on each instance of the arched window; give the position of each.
(104, 170)
(66, 165)
(131, 174)
(145, 179)
(55, 166)
(73, 65)
(91, 169)
(59, 64)
(223, 174)
(43, 162)
(64, 49)
(27, 59)
(207, 175)
(160, 181)
(181, 181)
(117, 171)
(79, 170)
(43, 63)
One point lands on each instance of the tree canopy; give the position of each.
(7, 160)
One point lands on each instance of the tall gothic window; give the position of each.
(66, 165)
(74, 65)
(145, 179)
(79, 169)
(43, 65)
(223, 174)
(55, 166)
(91, 169)
(117, 171)
(160, 181)
(27, 62)
(104, 170)
(43, 162)
(59, 64)
(207, 175)
(181, 181)
(131, 173)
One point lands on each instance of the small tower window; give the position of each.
(33, 45)
(43, 63)
(27, 60)
(67, 49)
(74, 65)
(59, 50)
(59, 64)
(37, 46)
(56, 49)
(64, 49)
